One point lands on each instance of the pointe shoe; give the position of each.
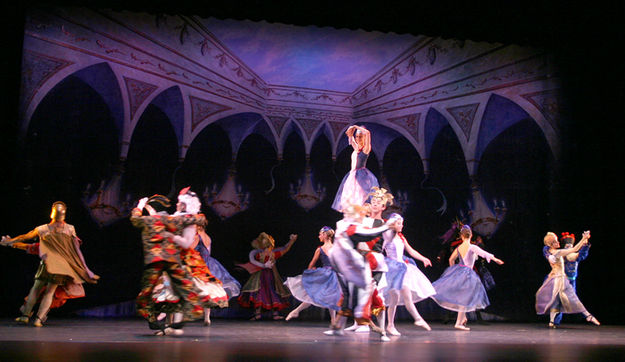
(593, 320)
(333, 332)
(384, 338)
(392, 331)
(552, 325)
(461, 327)
(22, 319)
(423, 324)
(291, 315)
(352, 327)
(362, 329)
(37, 322)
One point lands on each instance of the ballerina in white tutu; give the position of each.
(414, 285)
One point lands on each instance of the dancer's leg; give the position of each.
(461, 320)
(406, 295)
(207, 316)
(31, 300)
(393, 300)
(295, 312)
(45, 304)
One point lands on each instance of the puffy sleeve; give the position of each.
(482, 253)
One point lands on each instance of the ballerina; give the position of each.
(264, 289)
(317, 286)
(556, 294)
(415, 286)
(460, 289)
(358, 182)
(202, 244)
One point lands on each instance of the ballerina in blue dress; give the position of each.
(232, 287)
(460, 289)
(317, 286)
(357, 184)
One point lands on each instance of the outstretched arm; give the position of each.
(415, 254)
(278, 252)
(8, 241)
(576, 248)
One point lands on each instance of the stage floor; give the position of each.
(89, 339)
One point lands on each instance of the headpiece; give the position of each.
(465, 229)
(58, 211)
(380, 192)
(190, 199)
(263, 241)
(326, 229)
(395, 216)
(159, 202)
(566, 235)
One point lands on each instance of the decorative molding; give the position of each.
(37, 68)
(464, 117)
(548, 103)
(138, 92)
(408, 122)
(278, 123)
(308, 125)
(202, 109)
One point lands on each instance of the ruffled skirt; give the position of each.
(264, 289)
(404, 275)
(354, 188)
(231, 285)
(319, 287)
(460, 289)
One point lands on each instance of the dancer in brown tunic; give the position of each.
(62, 265)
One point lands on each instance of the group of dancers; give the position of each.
(364, 273)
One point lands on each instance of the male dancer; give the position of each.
(159, 233)
(353, 270)
(62, 264)
(372, 251)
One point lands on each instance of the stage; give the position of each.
(89, 339)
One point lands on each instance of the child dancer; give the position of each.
(62, 265)
(356, 185)
(264, 289)
(460, 288)
(414, 286)
(317, 286)
(557, 294)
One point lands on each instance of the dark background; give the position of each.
(581, 191)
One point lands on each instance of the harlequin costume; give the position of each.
(162, 255)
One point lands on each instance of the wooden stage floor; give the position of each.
(90, 339)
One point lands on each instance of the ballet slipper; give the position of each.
(462, 327)
(593, 320)
(292, 315)
(552, 325)
(37, 322)
(22, 319)
(352, 327)
(392, 331)
(423, 324)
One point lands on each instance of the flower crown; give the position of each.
(566, 235)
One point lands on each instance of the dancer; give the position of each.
(358, 182)
(317, 286)
(570, 263)
(460, 288)
(160, 234)
(202, 244)
(264, 289)
(378, 263)
(353, 270)
(212, 293)
(62, 265)
(557, 294)
(414, 285)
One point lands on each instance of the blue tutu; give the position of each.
(460, 289)
(319, 287)
(395, 274)
(231, 285)
(356, 185)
